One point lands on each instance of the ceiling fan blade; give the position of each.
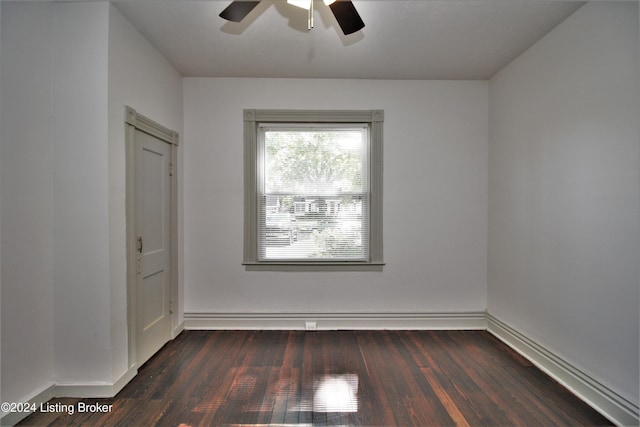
(238, 10)
(347, 16)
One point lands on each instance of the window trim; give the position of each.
(252, 118)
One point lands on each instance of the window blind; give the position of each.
(313, 192)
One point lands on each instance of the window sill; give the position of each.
(313, 266)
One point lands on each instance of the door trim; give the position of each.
(135, 121)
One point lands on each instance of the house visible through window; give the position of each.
(313, 188)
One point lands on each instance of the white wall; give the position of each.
(564, 187)
(435, 198)
(141, 78)
(26, 154)
(80, 184)
(68, 69)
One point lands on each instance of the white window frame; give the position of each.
(252, 120)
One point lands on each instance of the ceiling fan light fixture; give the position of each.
(303, 4)
(344, 11)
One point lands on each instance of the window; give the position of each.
(313, 190)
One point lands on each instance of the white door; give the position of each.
(153, 250)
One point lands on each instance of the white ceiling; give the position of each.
(419, 39)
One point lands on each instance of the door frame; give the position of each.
(135, 121)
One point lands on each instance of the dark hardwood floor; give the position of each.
(363, 378)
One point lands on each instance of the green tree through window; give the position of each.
(308, 161)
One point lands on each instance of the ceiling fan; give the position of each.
(344, 11)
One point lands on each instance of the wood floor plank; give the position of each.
(356, 378)
(420, 393)
(475, 406)
(452, 409)
(382, 392)
(508, 410)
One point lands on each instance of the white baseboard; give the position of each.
(335, 321)
(13, 418)
(95, 390)
(177, 330)
(616, 408)
(70, 390)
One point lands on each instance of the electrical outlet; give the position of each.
(309, 326)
